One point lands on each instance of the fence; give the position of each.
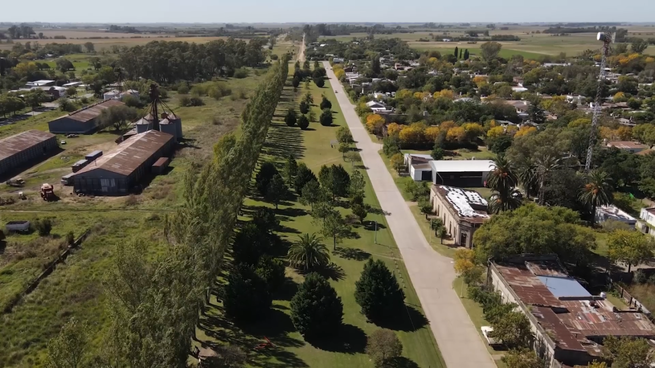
(632, 301)
(48, 270)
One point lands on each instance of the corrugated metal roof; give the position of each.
(91, 112)
(16, 143)
(130, 154)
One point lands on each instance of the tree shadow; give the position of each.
(370, 225)
(400, 362)
(287, 290)
(290, 212)
(352, 254)
(410, 320)
(349, 339)
(331, 272)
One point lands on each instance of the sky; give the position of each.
(281, 11)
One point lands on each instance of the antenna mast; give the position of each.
(606, 40)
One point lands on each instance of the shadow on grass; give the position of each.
(400, 362)
(290, 212)
(409, 321)
(352, 253)
(331, 272)
(287, 290)
(349, 339)
(370, 225)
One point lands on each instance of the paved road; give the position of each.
(431, 273)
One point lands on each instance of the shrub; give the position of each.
(183, 88)
(383, 346)
(43, 227)
(303, 122)
(326, 117)
(272, 271)
(290, 118)
(316, 309)
(70, 238)
(390, 146)
(241, 73)
(266, 172)
(196, 101)
(325, 103)
(66, 105)
(185, 101)
(304, 107)
(320, 82)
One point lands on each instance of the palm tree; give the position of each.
(544, 165)
(504, 200)
(308, 253)
(527, 175)
(597, 191)
(502, 177)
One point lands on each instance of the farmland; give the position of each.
(531, 45)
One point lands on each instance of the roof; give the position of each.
(462, 165)
(626, 145)
(564, 308)
(467, 204)
(16, 143)
(613, 212)
(91, 112)
(161, 162)
(130, 154)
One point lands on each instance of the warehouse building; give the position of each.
(121, 170)
(25, 147)
(82, 121)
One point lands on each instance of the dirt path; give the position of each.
(301, 53)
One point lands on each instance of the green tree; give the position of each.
(291, 168)
(117, 116)
(456, 53)
(308, 253)
(335, 180)
(325, 103)
(344, 135)
(361, 211)
(630, 247)
(319, 82)
(304, 107)
(343, 149)
(264, 176)
(490, 50)
(627, 352)
(335, 227)
(90, 48)
(265, 220)
(377, 292)
(383, 346)
(303, 122)
(271, 271)
(276, 190)
(425, 206)
(391, 146)
(309, 99)
(250, 244)
(326, 118)
(68, 349)
(316, 309)
(357, 184)
(437, 153)
(304, 176)
(534, 229)
(466, 54)
(522, 358)
(597, 192)
(312, 193)
(638, 45)
(290, 118)
(246, 295)
(398, 162)
(513, 330)
(295, 82)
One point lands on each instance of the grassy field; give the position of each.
(75, 288)
(124, 40)
(313, 147)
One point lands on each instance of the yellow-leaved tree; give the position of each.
(412, 135)
(374, 123)
(525, 130)
(431, 133)
(394, 129)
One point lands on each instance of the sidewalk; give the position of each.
(431, 274)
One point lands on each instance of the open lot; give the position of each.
(313, 147)
(75, 288)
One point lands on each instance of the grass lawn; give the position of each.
(347, 350)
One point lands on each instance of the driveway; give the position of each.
(431, 273)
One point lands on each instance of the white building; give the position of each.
(461, 173)
(40, 83)
(648, 215)
(419, 166)
(111, 95)
(611, 212)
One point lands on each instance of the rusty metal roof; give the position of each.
(573, 319)
(86, 114)
(16, 143)
(130, 154)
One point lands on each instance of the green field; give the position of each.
(347, 350)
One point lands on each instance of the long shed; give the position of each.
(25, 147)
(122, 169)
(82, 121)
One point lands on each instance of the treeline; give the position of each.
(167, 62)
(123, 29)
(156, 304)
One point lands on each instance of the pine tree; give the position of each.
(326, 117)
(378, 292)
(290, 168)
(290, 118)
(277, 189)
(316, 309)
(266, 172)
(303, 107)
(303, 122)
(466, 54)
(325, 103)
(246, 295)
(304, 176)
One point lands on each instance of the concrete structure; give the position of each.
(115, 94)
(611, 212)
(462, 211)
(461, 173)
(25, 147)
(419, 166)
(648, 215)
(431, 274)
(82, 121)
(122, 169)
(634, 147)
(568, 322)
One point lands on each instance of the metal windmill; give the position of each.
(607, 40)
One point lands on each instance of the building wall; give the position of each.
(35, 153)
(452, 222)
(647, 216)
(460, 179)
(65, 125)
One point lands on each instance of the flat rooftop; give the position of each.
(469, 205)
(443, 166)
(565, 309)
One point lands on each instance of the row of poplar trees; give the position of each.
(156, 304)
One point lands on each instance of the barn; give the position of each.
(461, 173)
(25, 147)
(82, 121)
(121, 170)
